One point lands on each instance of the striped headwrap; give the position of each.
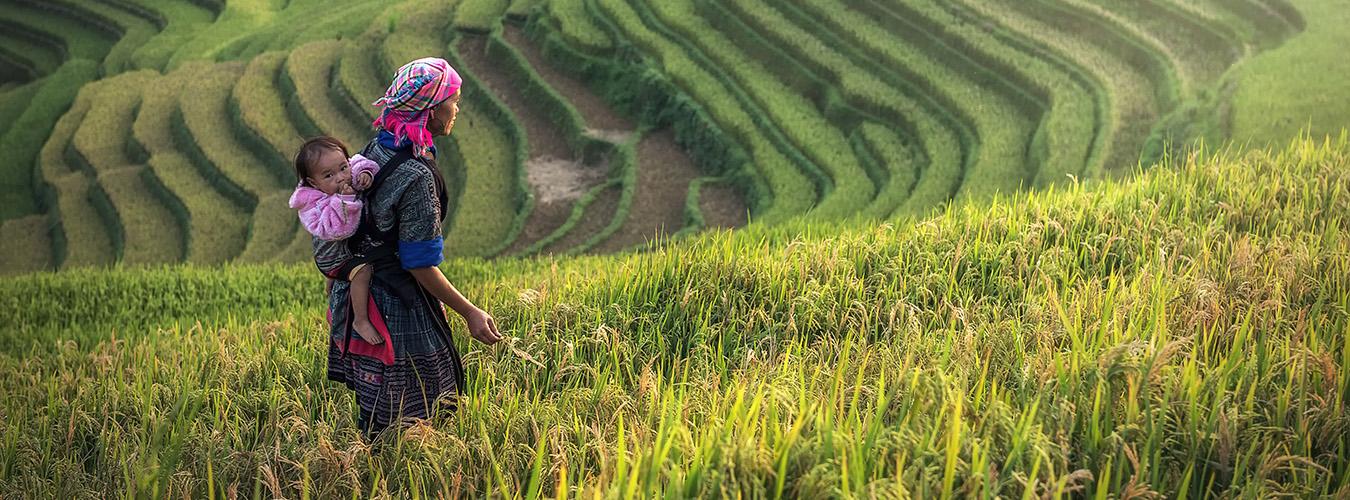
(418, 86)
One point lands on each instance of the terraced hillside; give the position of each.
(158, 131)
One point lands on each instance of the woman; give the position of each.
(400, 238)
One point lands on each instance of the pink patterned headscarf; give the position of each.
(418, 86)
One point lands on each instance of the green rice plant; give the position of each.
(232, 21)
(520, 9)
(634, 88)
(1268, 108)
(479, 16)
(1002, 349)
(1004, 134)
(1131, 108)
(14, 101)
(306, 21)
(791, 192)
(1255, 22)
(1069, 138)
(623, 180)
(41, 54)
(492, 161)
(263, 112)
(1203, 49)
(578, 28)
(151, 231)
(944, 139)
(795, 115)
(882, 144)
(216, 223)
(127, 31)
(310, 68)
(486, 210)
(176, 22)
(66, 197)
(359, 80)
(80, 40)
(25, 245)
(540, 95)
(212, 141)
(21, 188)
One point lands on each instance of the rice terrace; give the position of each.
(699, 249)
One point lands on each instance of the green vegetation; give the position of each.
(81, 235)
(791, 191)
(310, 68)
(802, 125)
(919, 357)
(150, 232)
(216, 222)
(20, 192)
(1300, 85)
(479, 16)
(577, 27)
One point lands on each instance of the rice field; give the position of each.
(1180, 333)
(976, 248)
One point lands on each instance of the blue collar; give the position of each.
(386, 139)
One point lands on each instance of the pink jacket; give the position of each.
(332, 216)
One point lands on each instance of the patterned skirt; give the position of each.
(424, 376)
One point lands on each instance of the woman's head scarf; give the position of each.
(418, 87)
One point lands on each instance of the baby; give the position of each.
(330, 209)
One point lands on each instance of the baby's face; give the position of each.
(331, 174)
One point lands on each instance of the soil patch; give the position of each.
(663, 176)
(597, 113)
(556, 180)
(595, 218)
(542, 137)
(722, 206)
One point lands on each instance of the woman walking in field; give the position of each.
(417, 370)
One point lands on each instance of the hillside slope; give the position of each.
(1183, 332)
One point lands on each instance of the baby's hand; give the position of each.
(362, 181)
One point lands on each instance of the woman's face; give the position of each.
(443, 116)
(331, 173)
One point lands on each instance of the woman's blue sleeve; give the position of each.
(420, 243)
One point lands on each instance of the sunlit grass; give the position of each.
(1181, 333)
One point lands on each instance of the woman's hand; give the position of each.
(482, 327)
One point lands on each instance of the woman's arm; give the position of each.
(481, 324)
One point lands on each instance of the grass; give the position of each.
(1157, 335)
(1297, 86)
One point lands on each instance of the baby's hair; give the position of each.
(310, 151)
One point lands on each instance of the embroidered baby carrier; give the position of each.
(381, 254)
